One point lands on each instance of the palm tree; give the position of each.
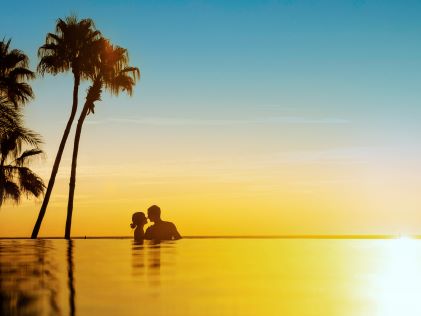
(15, 176)
(9, 115)
(14, 74)
(71, 47)
(11, 122)
(112, 73)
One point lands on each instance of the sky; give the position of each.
(250, 118)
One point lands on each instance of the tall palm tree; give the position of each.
(15, 176)
(113, 74)
(71, 47)
(14, 73)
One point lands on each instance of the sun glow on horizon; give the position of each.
(397, 282)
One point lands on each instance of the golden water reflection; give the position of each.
(211, 277)
(397, 282)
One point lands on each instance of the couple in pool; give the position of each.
(160, 230)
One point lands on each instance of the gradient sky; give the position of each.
(250, 118)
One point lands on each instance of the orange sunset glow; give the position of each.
(212, 158)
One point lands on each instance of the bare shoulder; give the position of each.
(174, 231)
(170, 224)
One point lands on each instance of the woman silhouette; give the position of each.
(138, 221)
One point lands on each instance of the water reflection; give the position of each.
(154, 258)
(219, 277)
(138, 258)
(146, 261)
(29, 278)
(397, 283)
(70, 268)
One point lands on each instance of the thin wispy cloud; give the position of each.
(177, 121)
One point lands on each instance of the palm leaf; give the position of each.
(9, 116)
(30, 182)
(13, 74)
(11, 191)
(27, 154)
(11, 141)
(22, 73)
(70, 47)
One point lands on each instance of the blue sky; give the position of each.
(336, 54)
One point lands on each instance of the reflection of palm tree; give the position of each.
(29, 278)
(112, 73)
(14, 74)
(69, 48)
(71, 285)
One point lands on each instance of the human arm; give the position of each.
(175, 234)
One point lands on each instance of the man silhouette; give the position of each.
(160, 230)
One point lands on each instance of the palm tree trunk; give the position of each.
(58, 157)
(73, 172)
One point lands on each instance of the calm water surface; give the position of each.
(210, 277)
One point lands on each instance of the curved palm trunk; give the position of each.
(58, 158)
(73, 172)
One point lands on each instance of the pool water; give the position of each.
(210, 277)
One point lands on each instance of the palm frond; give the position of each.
(9, 172)
(11, 141)
(11, 191)
(14, 58)
(10, 117)
(52, 64)
(27, 136)
(94, 94)
(10, 145)
(22, 73)
(26, 155)
(70, 47)
(19, 92)
(121, 83)
(14, 74)
(30, 182)
(117, 75)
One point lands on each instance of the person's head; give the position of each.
(154, 213)
(138, 219)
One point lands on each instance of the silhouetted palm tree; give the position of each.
(15, 176)
(14, 74)
(71, 47)
(11, 122)
(112, 73)
(9, 115)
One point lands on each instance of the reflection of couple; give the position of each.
(160, 230)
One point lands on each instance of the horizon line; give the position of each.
(293, 236)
